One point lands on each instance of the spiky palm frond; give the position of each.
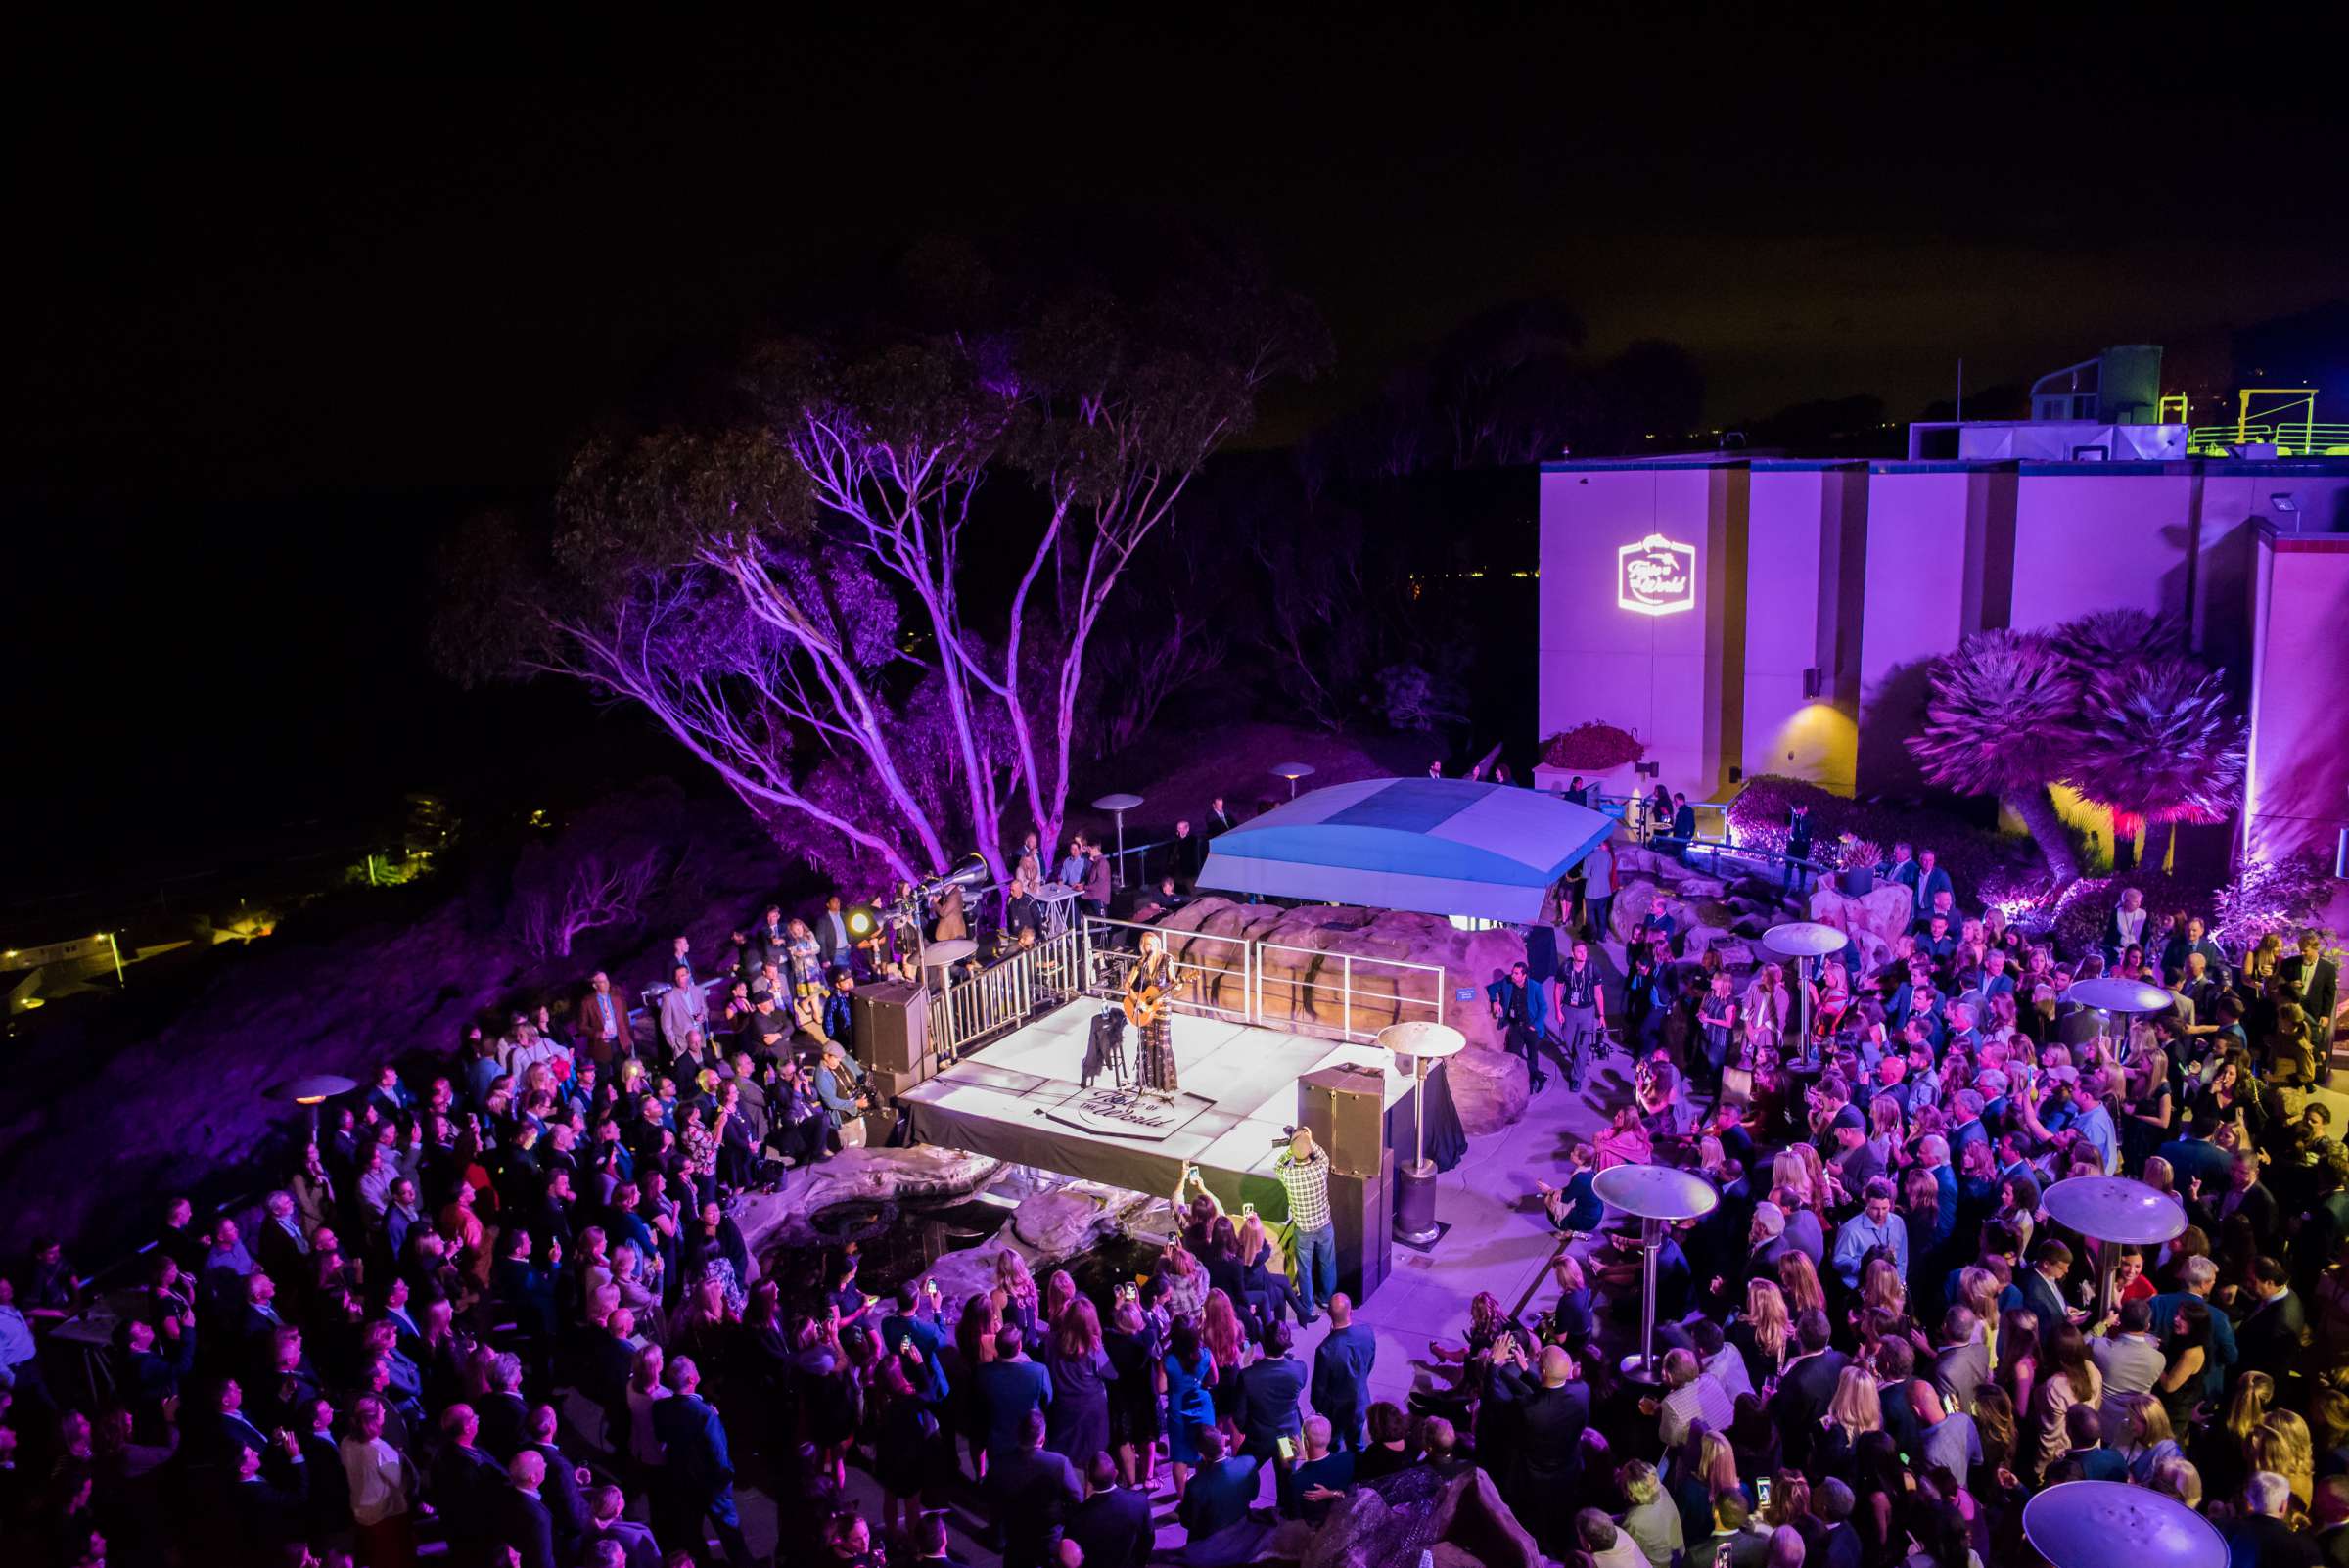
(2161, 744)
(2107, 639)
(2001, 716)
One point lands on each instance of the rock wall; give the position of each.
(1305, 969)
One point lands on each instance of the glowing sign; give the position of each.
(1656, 577)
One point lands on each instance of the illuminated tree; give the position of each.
(2163, 743)
(1999, 721)
(868, 604)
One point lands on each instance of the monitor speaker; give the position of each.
(1345, 1106)
(892, 1021)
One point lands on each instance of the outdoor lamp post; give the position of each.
(314, 1091)
(1422, 1041)
(1293, 771)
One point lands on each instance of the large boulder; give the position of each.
(1883, 911)
(926, 1171)
(1331, 969)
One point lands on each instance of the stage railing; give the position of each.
(1349, 995)
(1215, 976)
(1006, 994)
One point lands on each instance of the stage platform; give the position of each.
(1020, 1099)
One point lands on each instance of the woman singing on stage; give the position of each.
(1148, 992)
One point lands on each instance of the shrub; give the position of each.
(1591, 748)
(2278, 895)
(1972, 856)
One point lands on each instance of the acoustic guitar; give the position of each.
(1145, 1001)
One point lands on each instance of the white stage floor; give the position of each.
(1015, 1097)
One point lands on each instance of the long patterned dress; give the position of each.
(1155, 1064)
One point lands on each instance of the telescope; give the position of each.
(971, 874)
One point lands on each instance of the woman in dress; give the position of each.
(1269, 1288)
(1760, 1333)
(1190, 1374)
(1226, 1341)
(1186, 1282)
(974, 1347)
(1148, 988)
(1135, 1353)
(1016, 1296)
(1076, 1422)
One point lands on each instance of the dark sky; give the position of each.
(289, 297)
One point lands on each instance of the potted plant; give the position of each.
(1855, 861)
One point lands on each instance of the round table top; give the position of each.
(1804, 938)
(1656, 1191)
(2114, 1208)
(2087, 1524)
(953, 951)
(1055, 893)
(2111, 993)
(1421, 1037)
(1117, 803)
(1292, 771)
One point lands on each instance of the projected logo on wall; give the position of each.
(1656, 577)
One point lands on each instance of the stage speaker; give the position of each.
(892, 1020)
(1345, 1107)
(1364, 1220)
(888, 1085)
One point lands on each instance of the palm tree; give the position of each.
(2002, 716)
(2165, 746)
(2108, 639)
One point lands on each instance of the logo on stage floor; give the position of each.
(1655, 576)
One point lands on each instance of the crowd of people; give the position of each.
(1879, 1345)
(504, 1312)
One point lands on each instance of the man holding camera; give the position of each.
(1304, 1172)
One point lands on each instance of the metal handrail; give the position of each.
(1005, 994)
(1346, 991)
(1109, 959)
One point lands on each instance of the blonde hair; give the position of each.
(2248, 1404)
(1857, 1407)
(1717, 1462)
(1765, 1310)
(1800, 1281)
(2148, 1420)
(1881, 1288)
(2280, 1443)
(1638, 1478)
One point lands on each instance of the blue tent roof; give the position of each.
(1440, 846)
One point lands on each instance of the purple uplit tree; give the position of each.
(1998, 720)
(868, 607)
(2165, 745)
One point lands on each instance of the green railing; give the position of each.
(2293, 437)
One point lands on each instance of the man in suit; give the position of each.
(604, 1022)
(566, 1505)
(1554, 1411)
(2318, 980)
(1341, 1382)
(1922, 877)
(282, 1246)
(1269, 1388)
(1186, 853)
(1029, 1491)
(1111, 1525)
(524, 1523)
(503, 1411)
(684, 1010)
(1806, 1386)
(270, 1518)
(834, 944)
(524, 1291)
(1520, 1010)
(636, 1545)
(1220, 819)
(2274, 1338)
(1009, 1386)
(467, 1485)
(1221, 1494)
(699, 1476)
(2263, 1536)
(2042, 1284)
(1960, 1362)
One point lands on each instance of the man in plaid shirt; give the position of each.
(1304, 1172)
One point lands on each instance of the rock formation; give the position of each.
(1317, 954)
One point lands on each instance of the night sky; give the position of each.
(292, 299)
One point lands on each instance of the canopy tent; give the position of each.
(1440, 846)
